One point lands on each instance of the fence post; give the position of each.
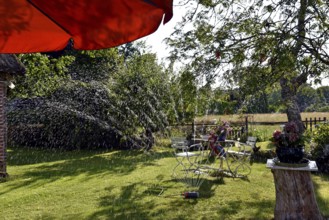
(311, 124)
(306, 123)
(246, 124)
(315, 122)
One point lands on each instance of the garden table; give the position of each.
(295, 198)
(188, 165)
(233, 162)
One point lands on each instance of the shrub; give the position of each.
(42, 123)
(260, 134)
(320, 138)
(324, 109)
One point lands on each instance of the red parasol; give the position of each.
(49, 25)
(28, 26)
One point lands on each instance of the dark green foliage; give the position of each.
(102, 102)
(95, 65)
(323, 109)
(44, 123)
(324, 94)
(323, 163)
(263, 155)
(320, 151)
(43, 75)
(307, 96)
(140, 92)
(321, 138)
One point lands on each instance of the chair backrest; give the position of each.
(205, 137)
(177, 139)
(196, 147)
(251, 141)
(179, 143)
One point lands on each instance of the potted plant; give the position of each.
(289, 143)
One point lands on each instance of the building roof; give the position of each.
(10, 64)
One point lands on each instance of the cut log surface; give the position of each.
(295, 198)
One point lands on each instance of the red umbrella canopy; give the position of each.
(49, 25)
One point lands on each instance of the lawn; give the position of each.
(47, 184)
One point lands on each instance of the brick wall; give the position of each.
(3, 129)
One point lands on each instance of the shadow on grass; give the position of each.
(132, 203)
(208, 188)
(50, 165)
(263, 207)
(125, 205)
(17, 156)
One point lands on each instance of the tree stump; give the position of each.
(295, 198)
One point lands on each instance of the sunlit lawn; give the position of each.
(130, 185)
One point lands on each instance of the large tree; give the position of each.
(255, 44)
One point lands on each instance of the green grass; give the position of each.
(263, 132)
(130, 185)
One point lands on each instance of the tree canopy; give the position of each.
(255, 44)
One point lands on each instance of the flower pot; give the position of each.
(290, 154)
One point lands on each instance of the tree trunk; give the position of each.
(289, 97)
(295, 197)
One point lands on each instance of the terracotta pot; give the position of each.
(290, 154)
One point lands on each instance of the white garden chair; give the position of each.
(189, 162)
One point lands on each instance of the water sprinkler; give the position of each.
(190, 195)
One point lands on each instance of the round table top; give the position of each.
(187, 154)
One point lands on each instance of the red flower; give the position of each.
(217, 54)
(277, 134)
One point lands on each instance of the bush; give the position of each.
(263, 155)
(321, 139)
(324, 109)
(260, 134)
(42, 123)
(317, 108)
(75, 117)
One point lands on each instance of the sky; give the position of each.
(155, 40)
